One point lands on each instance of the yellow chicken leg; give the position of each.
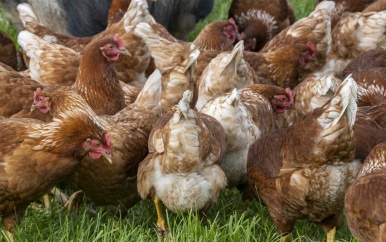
(161, 224)
(10, 236)
(283, 238)
(47, 202)
(331, 235)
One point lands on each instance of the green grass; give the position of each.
(6, 26)
(225, 221)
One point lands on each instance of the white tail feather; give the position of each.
(150, 95)
(343, 102)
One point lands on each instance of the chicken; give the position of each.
(273, 67)
(16, 93)
(369, 69)
(315, 28)
(130, 69)
(35, 156)
(224, 73)
(365, 199)
(96, 80)
(113, 186)
(246, 115)
(49, 64)
(303, 171)
(9, 55)
(259, 20)
(182, 168)
(313, 92)
(219, 35)
(354, 34)
(343, 6)
(176, 62)
(370, 127)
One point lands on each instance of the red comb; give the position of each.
(108, 139)
(119, 41)
(37, 92)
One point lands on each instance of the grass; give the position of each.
(225, 220)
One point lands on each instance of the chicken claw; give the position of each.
(75, 200)
(162, 228)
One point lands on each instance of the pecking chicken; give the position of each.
(303, 171)
(219, 35)
(35, 156)
(96, 80)
(182, 169)
(131, 68)
(246, 115)
(369, 69)
(175, 60)
(313, 92)
(273, 67)
(315, 28)
(112, 186)
(224, 73)
(259, 21)
(365, 199)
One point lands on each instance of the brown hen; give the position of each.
(366, 198)
(96, 80)
(182, 169)
(130, 69)
(113, 186)
(303, 172)
(36, 156)
(246, 115)
(219, 35)
(16, 92)
(259, 21)
(175, 60)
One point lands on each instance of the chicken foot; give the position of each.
(162, 228)
(76, 200)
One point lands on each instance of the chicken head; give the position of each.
(40, 102)
(231, 30)
(308, 56)
(281, 102)
(112, 50)
(96, 149)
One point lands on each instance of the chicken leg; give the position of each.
(331, 235)
(9, 236)
(283, 238)
(162, 228)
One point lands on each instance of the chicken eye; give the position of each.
(97, 144)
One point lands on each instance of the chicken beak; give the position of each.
(108, 156)
(33, 107)
(124, 51)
